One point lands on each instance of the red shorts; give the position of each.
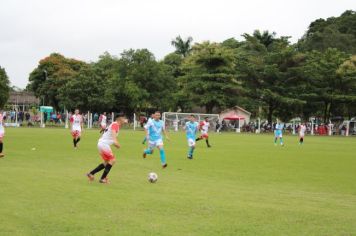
(76, 133)
(105, 152)
(205, 135)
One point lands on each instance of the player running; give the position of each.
(302, 129)
(103, 122)
(154, 129)
(2, 134)
(76, 122)
(204, 127)
(278, 133)
(108, 138)
(191, 128)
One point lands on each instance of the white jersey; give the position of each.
(302, 130)
(204, 126)
(76, 121)
(2, 130)
(107, 137)
(103, 120)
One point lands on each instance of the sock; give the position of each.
(78, 139)
(207, 142)
(148, 151)
(275, 140)
(106, 171)
(198, 139)
(191, 150)
(281, 140)
(1, 147)
(301, 140)
(97, 169)
(163, 156)
(75, 142)
(144, 140)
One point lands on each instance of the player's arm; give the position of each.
(114, 137)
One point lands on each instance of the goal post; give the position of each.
(176, 120)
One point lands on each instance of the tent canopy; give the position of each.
(234, 117)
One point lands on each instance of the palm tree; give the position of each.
(182, 47)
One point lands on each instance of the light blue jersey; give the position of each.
(191, 128)
(155, 129)
(278, 129)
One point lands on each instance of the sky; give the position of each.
(84, 29)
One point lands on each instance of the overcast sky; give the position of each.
(83, 29)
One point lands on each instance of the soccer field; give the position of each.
(243, 185)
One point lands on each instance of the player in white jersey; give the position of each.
(204, 128)
(108, 138)
(2, 134)
(103, 122)
(76, 122)
(302, 129)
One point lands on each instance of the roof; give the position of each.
(22, 98)
(236, 108)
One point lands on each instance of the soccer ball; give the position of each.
(152, 177)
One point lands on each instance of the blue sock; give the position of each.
(281, 140)
(191, 150)
(163, 156)
(148, 151)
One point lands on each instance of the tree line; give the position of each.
(263, 72)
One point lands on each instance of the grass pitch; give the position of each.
(243, 185)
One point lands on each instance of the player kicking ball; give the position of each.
(302, 129)
(278, 133)
(154, 129)
(108, 138)
(2, 134)
(76, 122)
(204, 127)
(191, 128)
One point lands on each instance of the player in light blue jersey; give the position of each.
(191, 128)
(278, 131)
(154, 130)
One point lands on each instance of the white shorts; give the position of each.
(105, 151)
(301, 135)
(153, 144)
(2, 132)
(191, 142)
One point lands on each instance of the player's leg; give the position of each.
(199, 138)
(101, 166)
(281, 140)
(1, 146)
(144, 140)
(162, 154)
(191, 145)
(108, 165)
(149, 150)
(206, 136)
(78, 138)
(301, 139)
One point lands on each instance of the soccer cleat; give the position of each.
(90, 177)
(2, 155)
(190, 157)
(209, 146)
(144, 155)
(104, 181)
(164, 166)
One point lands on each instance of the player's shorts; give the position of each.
(204, 135)
(156, 143)
(105, 152)
(103, 126)
(2, 132)
(278, 134)
(76, 133)
(301, 135)
(191, 142)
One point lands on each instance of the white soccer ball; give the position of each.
(152, 177)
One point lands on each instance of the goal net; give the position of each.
(175, 120)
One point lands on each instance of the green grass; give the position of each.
(243, 185)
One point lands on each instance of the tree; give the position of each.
(51, 74)
(4, 87)
(183, 47)
(209, 79)
(323, 81)
(263, 64)
(334, 32)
